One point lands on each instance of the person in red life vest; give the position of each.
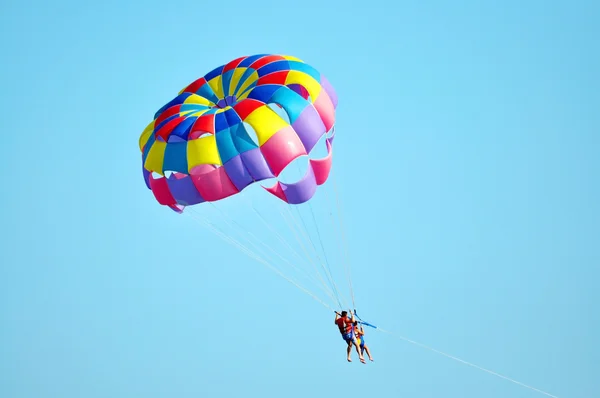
(345, 325)
(359, 332)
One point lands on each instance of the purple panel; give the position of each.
(330, 139)
(329, 90)
(184, 191)
(300, 90)
(175, 138)
(309, 127)
(146, 177)
(256, 164)
(238, 174)
(230, 99)
(177, 208)
(302, 190)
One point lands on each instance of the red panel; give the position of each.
(233, 64)
(205, 124)
(266, 60)
(166, 114)
(246, 107)
(193, 87)
(166, 129)
(274, 78)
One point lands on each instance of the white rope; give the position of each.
(347, 262)
(327, 270)
(260, 252)
(338, 240)
(306, 234)
(323, 286)
(250, 254)
(467, 363)
(298, 238)
(323, 249)
(229, 220)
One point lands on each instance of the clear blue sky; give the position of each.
(467, 158)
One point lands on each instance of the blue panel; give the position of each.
(302, 67)
(232, 117)
(250, 60)
(146, 174)
(175, 101)
(227, 149)
(226, 80)
(241, 139)
(273, 67)
(193, 107)
(207, 92)
(183, 129)
(250, 87)
(292, 102)
(245, 76)
(220, 122)
(264, 93)
(214, 73)
(176, 157)
(167, 120)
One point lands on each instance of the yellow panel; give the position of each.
(311, 85)
(203, 151)
(235, 79)
(200, 112)
(243, 96)
(217, 86)
(251, 79)
(292, 58)
(265, 123)
(197, 99)
(146, 134)
(186, 113)
(156, 156)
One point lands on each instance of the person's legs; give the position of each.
(362, 359)
(348, 339)
(349, 351)
(366, 348)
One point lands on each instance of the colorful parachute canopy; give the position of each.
(198, 147)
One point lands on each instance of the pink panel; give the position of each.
(321, 167)
(178, 175)
(282, 148)
(277, 190)
(212, 182)
(161, 191)
(325, 108)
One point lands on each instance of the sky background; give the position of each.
(467, 163)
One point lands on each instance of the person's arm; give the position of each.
(337, 315)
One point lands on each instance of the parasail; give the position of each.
(223, 132)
